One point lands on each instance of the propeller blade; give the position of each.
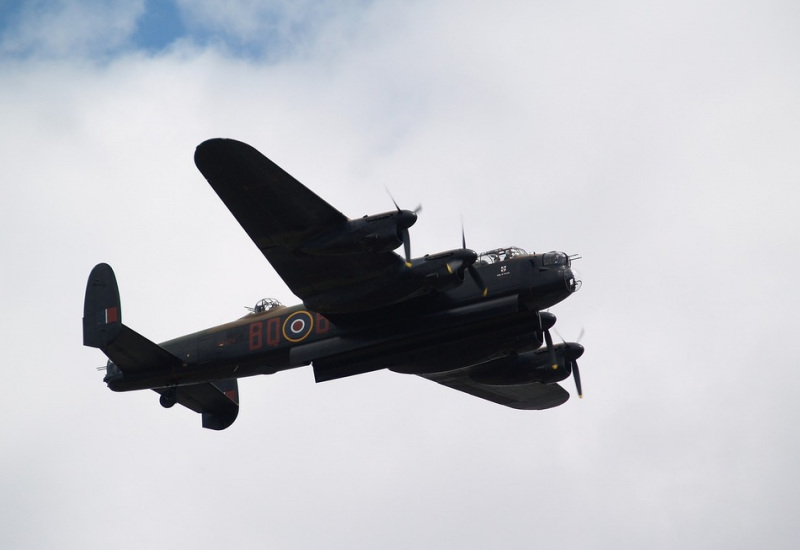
(406, 238)
(455, 265)
(405, 220)
(392, 197)
(576, 374)
(551, 352)
(472, 271)
(478, 281)
(416, 211)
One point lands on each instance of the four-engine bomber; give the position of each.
(364, 307)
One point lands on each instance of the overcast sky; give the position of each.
(657, 139)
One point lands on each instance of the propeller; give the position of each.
(406, 219)
(547, 320)
(471, 267)
(551, 352)
(571, 354)
(572, 350)
(576, 374)
(462, 259)
(405, 236)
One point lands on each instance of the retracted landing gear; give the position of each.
(169, 398)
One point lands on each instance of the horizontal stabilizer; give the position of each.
(132, 352)
(217, 401)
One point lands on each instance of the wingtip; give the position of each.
(218, 143)
(209, 143)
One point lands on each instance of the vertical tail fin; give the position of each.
(102, 315)
(103, 328)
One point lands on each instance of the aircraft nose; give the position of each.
(572, 278)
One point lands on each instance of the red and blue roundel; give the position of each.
(297, 326)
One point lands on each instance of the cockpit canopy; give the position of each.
(555, 258)
(267, 304)
(499, 255)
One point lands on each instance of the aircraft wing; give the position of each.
(280, 215)
(530, 396)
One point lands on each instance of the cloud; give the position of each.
(59, 28)
(656, 140)
(271, 29)
(96, 30)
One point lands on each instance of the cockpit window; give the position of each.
(500, 255)
(267, 304)
(555, 258)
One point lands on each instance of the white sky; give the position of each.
(658, 139)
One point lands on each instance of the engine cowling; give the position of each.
(445, 270)
(528, 367)
(378, 233)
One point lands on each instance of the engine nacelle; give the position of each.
(421, 276)
(532, 366)
(378, 233)
(443, 271)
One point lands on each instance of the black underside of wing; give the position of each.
(309, 276)
(280, 215)
(273, 208)
(530, 396)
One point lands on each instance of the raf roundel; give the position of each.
(297, 326)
